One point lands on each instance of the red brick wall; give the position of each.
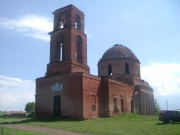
(119, 91)
(91, 87)
(118, 68)
(104, 98)
(71, 102)
(68, 37)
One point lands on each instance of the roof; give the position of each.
(119, 52)
(67, 7)
(146, 85)
(14, 112)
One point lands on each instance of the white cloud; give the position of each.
(140, 11)
(165, 79)
(136, 13)
(15, 93)
(31, 25)
(89, 36)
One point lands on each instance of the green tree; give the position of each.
(157, 107)
(30, 108)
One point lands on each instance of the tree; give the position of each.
(30, 108)
(157, 107)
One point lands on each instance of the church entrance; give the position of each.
(57, 106)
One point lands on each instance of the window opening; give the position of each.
(57, 87)
(126, 68)
(115, 105)
(61, 25)
(79, 52)
(131, 106)
(78, 22)
(62, 22)
(94, 108)
(61, 52)
(122, 105)
(109, 69)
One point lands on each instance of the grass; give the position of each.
(8, 131)
(125, 124)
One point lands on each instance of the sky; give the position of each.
(150, 28)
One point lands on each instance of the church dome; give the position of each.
(118, 52)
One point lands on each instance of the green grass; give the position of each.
(10, 120)
(8, 131)
(125, 124)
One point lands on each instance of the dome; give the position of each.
(118, 52)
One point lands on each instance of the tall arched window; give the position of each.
(126, 68)
(79, 52)
(61, 51)
(78, 22)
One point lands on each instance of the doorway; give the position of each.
(57, 106)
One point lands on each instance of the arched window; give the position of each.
(109, 69)
(79, 52)
(62, 22)
(126, 68)
(61, 52)
(61, 25)
(78, 22)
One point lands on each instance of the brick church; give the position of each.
(68, 88)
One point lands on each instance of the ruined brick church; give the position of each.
(68, 88)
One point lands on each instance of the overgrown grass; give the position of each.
(8, 131)
(125, 124)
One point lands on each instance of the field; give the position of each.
(7, 131)
(125, 124)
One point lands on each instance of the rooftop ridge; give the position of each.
(66, 7)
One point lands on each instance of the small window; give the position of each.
(126, 68)
(94, 108)
(57, 87)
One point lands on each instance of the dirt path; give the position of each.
(50, 131)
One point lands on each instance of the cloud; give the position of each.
(136, 13)
(15, 93)
(89, 36)
(30, 25)
(165, 79)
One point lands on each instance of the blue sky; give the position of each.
(151, 29)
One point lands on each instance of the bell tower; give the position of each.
(68, 44)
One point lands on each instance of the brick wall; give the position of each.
(118, 68)
(119, 91)
(91, 87)
(71, 96)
